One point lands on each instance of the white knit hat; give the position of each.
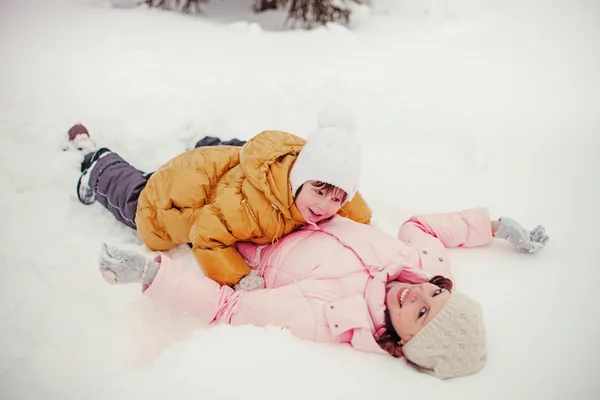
(332, 153)
(453, 343)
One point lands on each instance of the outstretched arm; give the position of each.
(181, 288)
(187, 290)
(471, 228)
(468, 228)
(431, 234)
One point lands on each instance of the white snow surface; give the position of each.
(459, 104)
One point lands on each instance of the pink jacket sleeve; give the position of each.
(432, 234)
(189, 291)
(469, 228)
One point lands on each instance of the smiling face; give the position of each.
(411, 307)
(318, 201)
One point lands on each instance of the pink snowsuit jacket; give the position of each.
(326, 283)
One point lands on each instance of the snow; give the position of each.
(461, 104)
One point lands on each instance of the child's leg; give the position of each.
(214, 141)
(116, 185)
(106, 177)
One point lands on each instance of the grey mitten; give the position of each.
(525, 241)
(250, 282)
(122, 266)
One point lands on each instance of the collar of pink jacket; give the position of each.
(369, 324)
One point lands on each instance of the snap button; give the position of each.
(336, 325)
(331, 307)
(425, 252)
(441, 259)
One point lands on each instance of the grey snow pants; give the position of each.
(117, 186)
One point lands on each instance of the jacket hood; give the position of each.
(266, 161)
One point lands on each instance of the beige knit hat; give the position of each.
(453, 343)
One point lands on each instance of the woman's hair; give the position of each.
(327, 189)
(390, 340)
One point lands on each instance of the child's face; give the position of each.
(411, 307)
(316, 205)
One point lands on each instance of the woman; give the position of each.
(346, 282)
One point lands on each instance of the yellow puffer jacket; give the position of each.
(213, 197)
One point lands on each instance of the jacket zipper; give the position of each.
(250, 210)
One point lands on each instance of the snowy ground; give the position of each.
(460, 104)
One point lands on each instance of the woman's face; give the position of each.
(411, 307)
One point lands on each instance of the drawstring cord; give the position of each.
(275, 240)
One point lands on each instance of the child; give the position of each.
(345, 282)
(212, 197)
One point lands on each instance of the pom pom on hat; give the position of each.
(332, 153)
(336, 116)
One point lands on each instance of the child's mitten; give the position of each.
(250, 282)
(121, 266)
(523, 240)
